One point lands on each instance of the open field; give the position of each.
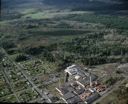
(50, 14)
(118, 96)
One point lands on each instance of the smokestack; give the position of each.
(90, 80)
(66, 77)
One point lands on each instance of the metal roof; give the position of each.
(92, 98)
(68, 95)
(75, 99)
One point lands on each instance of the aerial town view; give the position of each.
(64, 51)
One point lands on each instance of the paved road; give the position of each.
(20, 68)
(11, 85)
(34, 86)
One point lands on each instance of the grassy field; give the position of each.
(118, 96)
(34, 14)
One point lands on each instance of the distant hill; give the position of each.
(74, 4)
(93, 3)
(15, 3)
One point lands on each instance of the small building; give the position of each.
(84, 95)
(75, 100)
(92, 98)
(85, 81)
(68, 95)
(75, 72)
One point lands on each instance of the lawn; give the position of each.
(28, 95)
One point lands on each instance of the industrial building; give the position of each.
(80, 86)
